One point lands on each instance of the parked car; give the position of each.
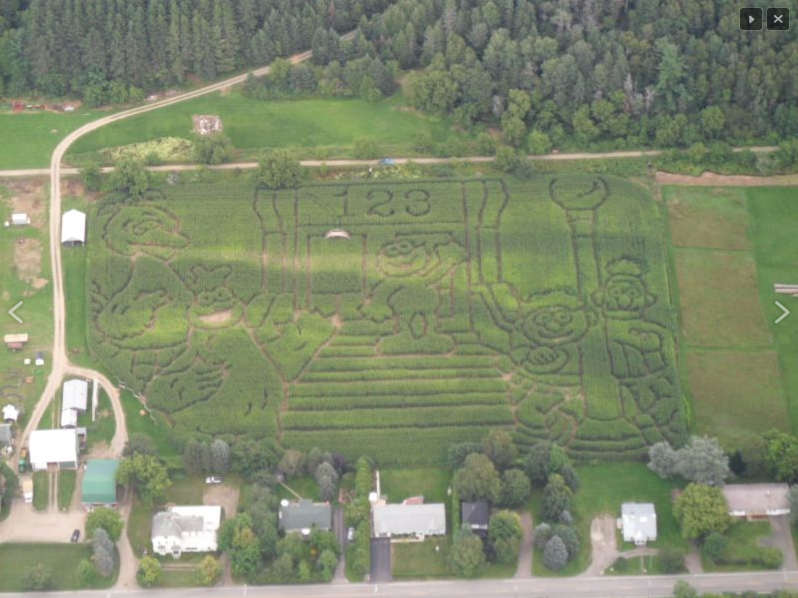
(387, 162)
(213, 480)
(350, 534)
(75, 536)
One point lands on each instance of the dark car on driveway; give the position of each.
(75, 536)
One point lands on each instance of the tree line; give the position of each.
(111, 50)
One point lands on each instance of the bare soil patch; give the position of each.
(28, 196)
(720, 300)
(220, 317)
(206, 124)
(28, 262)
(223, 495)
(737, 394)
(711, 179)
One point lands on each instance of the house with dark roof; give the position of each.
(303, 515)
(476, 515)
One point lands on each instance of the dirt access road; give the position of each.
(60, 362)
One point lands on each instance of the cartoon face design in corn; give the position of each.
(555, 318)
(550, 326)
(402, 258)
(624, 295)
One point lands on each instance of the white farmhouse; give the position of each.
(185, 529)
(639, 522)
(73, 228)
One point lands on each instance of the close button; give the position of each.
(778, 19)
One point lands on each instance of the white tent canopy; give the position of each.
(73, 227)
(54, 446)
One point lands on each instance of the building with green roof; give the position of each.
(99, 483)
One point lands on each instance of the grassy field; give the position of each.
(729, 246)
(66, 488)
(61, 559)
(604, 487)
(305, 486)
(744, 547)
(320, 123)
(773, 214)
(433, 304)
(399, 484)
(30, 137)
(420, 560)
(41, 490)
(24, 276)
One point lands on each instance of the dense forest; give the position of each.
(629, 72)
(99, 49)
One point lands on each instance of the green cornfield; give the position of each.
(393, 319)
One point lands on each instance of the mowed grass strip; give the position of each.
(61, 559)
(774, 212)
(29, 138)
(719, 300)
(736, 394)
(253, 123)
(712, 219)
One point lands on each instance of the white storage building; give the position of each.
(73, 228)
(56, 447)
(419, 520)
(75, 395)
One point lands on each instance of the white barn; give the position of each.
(639, 522)
(185, 529)
(20, 219)
(75, 395)
(54, 447)
(73, 228)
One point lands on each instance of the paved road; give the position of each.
(583, 587)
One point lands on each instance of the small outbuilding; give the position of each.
(73, 228)
(20, 219)
(69, 418)
(99, 483)
(54, 447)
(755, 501)
(10, 414)
(38, 358)
(15, 342)
(303, 515)
(6, 435)
(476, 516)
(416, 520)
(638, 522)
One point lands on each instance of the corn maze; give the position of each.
(452, 307)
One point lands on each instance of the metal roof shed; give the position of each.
(73, 228)
(75, 395)
(99, 482)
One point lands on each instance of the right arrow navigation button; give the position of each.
(784, 315)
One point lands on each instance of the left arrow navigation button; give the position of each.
(13, 315)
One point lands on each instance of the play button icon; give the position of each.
(751, 18)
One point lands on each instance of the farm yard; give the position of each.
(540, 306)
